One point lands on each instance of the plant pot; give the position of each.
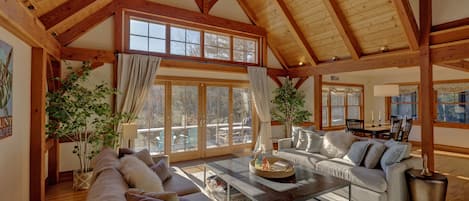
(81, 180)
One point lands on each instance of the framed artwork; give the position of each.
(6, 77)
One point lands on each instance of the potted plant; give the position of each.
(289, 106)
(82, 115)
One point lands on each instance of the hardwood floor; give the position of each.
(453, 165)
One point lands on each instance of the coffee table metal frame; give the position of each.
(229, 184)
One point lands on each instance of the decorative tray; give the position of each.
(278, 168)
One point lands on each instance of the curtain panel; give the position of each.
(135, 76)
(260, 91)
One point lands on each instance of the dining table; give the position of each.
(376, 130)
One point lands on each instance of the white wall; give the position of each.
(14, 150)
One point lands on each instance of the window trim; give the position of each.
(329, 106)
(192, 26)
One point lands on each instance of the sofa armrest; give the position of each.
(284, 143)
(395, 176)
(157, 158)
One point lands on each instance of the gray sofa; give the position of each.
(367, 184)
(108, 183)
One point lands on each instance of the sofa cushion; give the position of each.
(139, 175)
(357, 152)
(151, 196)
(199, 196)
(145, 156)
(374, 153)
(314, 142)
(393, 155)
(336, 167)
(336, 144)
(302, 140)
(407, 151)
(180, 183)
(301, 156)
(106, 159)
(373, 179)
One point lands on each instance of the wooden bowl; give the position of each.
(290, 171)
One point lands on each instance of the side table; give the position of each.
(426, 188)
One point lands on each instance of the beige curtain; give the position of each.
(135, 76)
(261, 93)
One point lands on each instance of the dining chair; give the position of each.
(404, 137)
(355, 126)
(395, 130)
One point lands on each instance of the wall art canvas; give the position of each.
(6, 78)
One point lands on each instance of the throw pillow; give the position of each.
(161, 169)
(295, 134)
(357, 152)
(336, 144)
(302, 140)
(145, 156)
(393, 155)
(314, 142)
(374, 153)
(139, 175)
(408, 145)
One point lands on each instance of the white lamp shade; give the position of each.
(386, 90)
(129, 130)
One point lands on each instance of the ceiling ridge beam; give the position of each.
(345, 32)
(408, 22)
(296, 32)
(87, 24)
(15, 18)
(62, 12)
(190, 16)
(253, 19)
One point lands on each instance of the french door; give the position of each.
(191, 120)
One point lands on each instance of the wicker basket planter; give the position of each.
(81, 180)
(272, 174)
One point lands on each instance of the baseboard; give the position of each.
(65, 176)
(448, 148)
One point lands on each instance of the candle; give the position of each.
(372, 116)
(379, 116)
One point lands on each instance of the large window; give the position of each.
(192, 118)
(452, 103)
(341, 102)
(406, 104)
(194, 43)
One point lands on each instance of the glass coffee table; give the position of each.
(304, 185)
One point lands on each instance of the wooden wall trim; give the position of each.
(19, 21)
(38, 122)
(318, 101)
(442, 147)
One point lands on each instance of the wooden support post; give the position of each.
(53, 161)
(426, 82)
(38, 121)
(318, 102)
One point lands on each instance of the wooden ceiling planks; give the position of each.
(318, 28)
(375, 24)
(280, 36)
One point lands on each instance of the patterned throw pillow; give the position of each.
(357, 152)
(302, 140)
(314, 142)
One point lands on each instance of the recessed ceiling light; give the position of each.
(300, 64)
(335, 58)
(31, 7)
(54, 34)
(384, 48)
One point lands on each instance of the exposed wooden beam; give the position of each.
(62, 12)
(18, 20)
(318, 102)
(452, 51)
(344, 30)
(452, 24)
(200, 4)
(82, 54)
(86, 24)
(300, 82)
(38, 125)
(210, 4)
(276, 80)
(205, 5)
(383, 60)
(190, 16)
(252, 17)
(406, 16)
(450, 35)
(277, 72)
(426, 83)
(460, 65)
(296, 31)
